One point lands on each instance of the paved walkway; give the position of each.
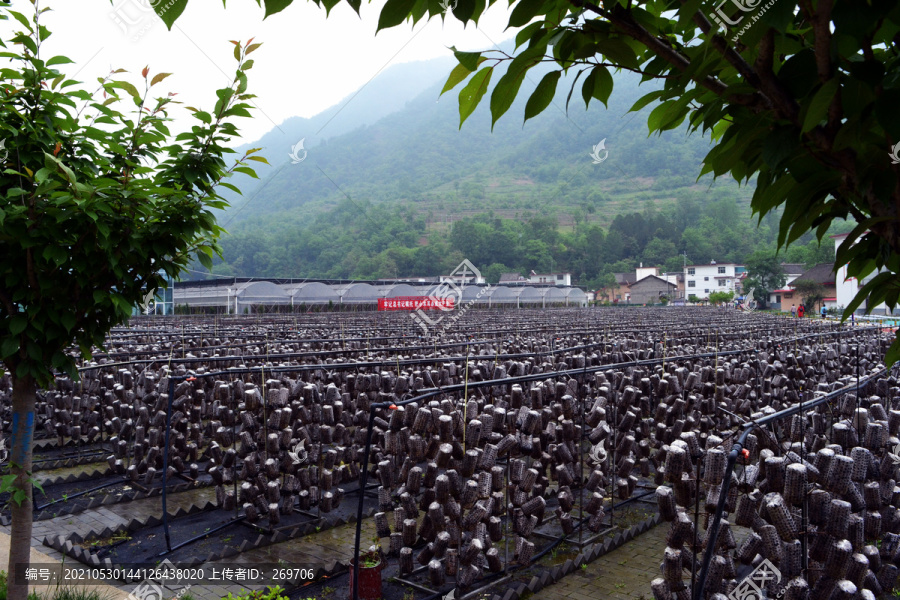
(623, 574)
(115, 515)
(96, 519)
(44, 560)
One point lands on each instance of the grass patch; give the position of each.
(110, 541)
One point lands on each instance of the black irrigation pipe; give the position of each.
(165, 513)
(501, 332)
(121, 339)
(438, 391)
(299, 341)
(523, 379)
(71, 496)
(170, 548)
(349, 365)
(431, 393)
(739, 445)
(337, 351)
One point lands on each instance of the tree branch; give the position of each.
(7, 302)
(730, 54)
(821, 22)
(550, 59)
(783, 104)
(623, 20)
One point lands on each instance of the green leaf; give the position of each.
(507, 88)
(50, 160)
(528, 32)
(458, 74)
(169, 10)
(276, 6)
(68, 321)
(246, 171)
(18, 324)
(645, 100)
(667, 115)
(205, 260)
(525, 11)
(598, 84)
(882, 279)
(129, 88)
(618, 52)
(394, 13)
(473, 92)
(543, 94)
(6, 482)
(59, 60)
(231, 187)
(121, 303)
(22, 19)
(55, 254)
(893, 353)
(469, 60)
(9, 346)
(818, 106)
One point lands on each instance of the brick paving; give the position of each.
(112, 516)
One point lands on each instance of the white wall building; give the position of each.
(463, 279)
(847, 287)
(702, 280)
(791, 272)
(564, 279)
(643, 271)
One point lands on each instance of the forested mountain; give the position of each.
(409, 193)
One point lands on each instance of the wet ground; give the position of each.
(323, 548)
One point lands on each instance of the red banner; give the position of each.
(415, 303)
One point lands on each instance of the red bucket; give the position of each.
(369, 582)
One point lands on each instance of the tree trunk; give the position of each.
(20, 465)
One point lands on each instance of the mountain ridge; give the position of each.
(409, 192)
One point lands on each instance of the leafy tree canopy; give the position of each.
(811, 291)
(721, 297)
(766, 275)
(98, 203)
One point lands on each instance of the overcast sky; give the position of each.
(306, 64)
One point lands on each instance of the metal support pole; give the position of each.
(354, 589)
(165, 477)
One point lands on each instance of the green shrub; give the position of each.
(271, 593)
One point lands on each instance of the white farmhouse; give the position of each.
(563, 279)
(702, 280)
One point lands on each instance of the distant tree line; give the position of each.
(361, 240)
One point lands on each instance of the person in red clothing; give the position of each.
(800, 310)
